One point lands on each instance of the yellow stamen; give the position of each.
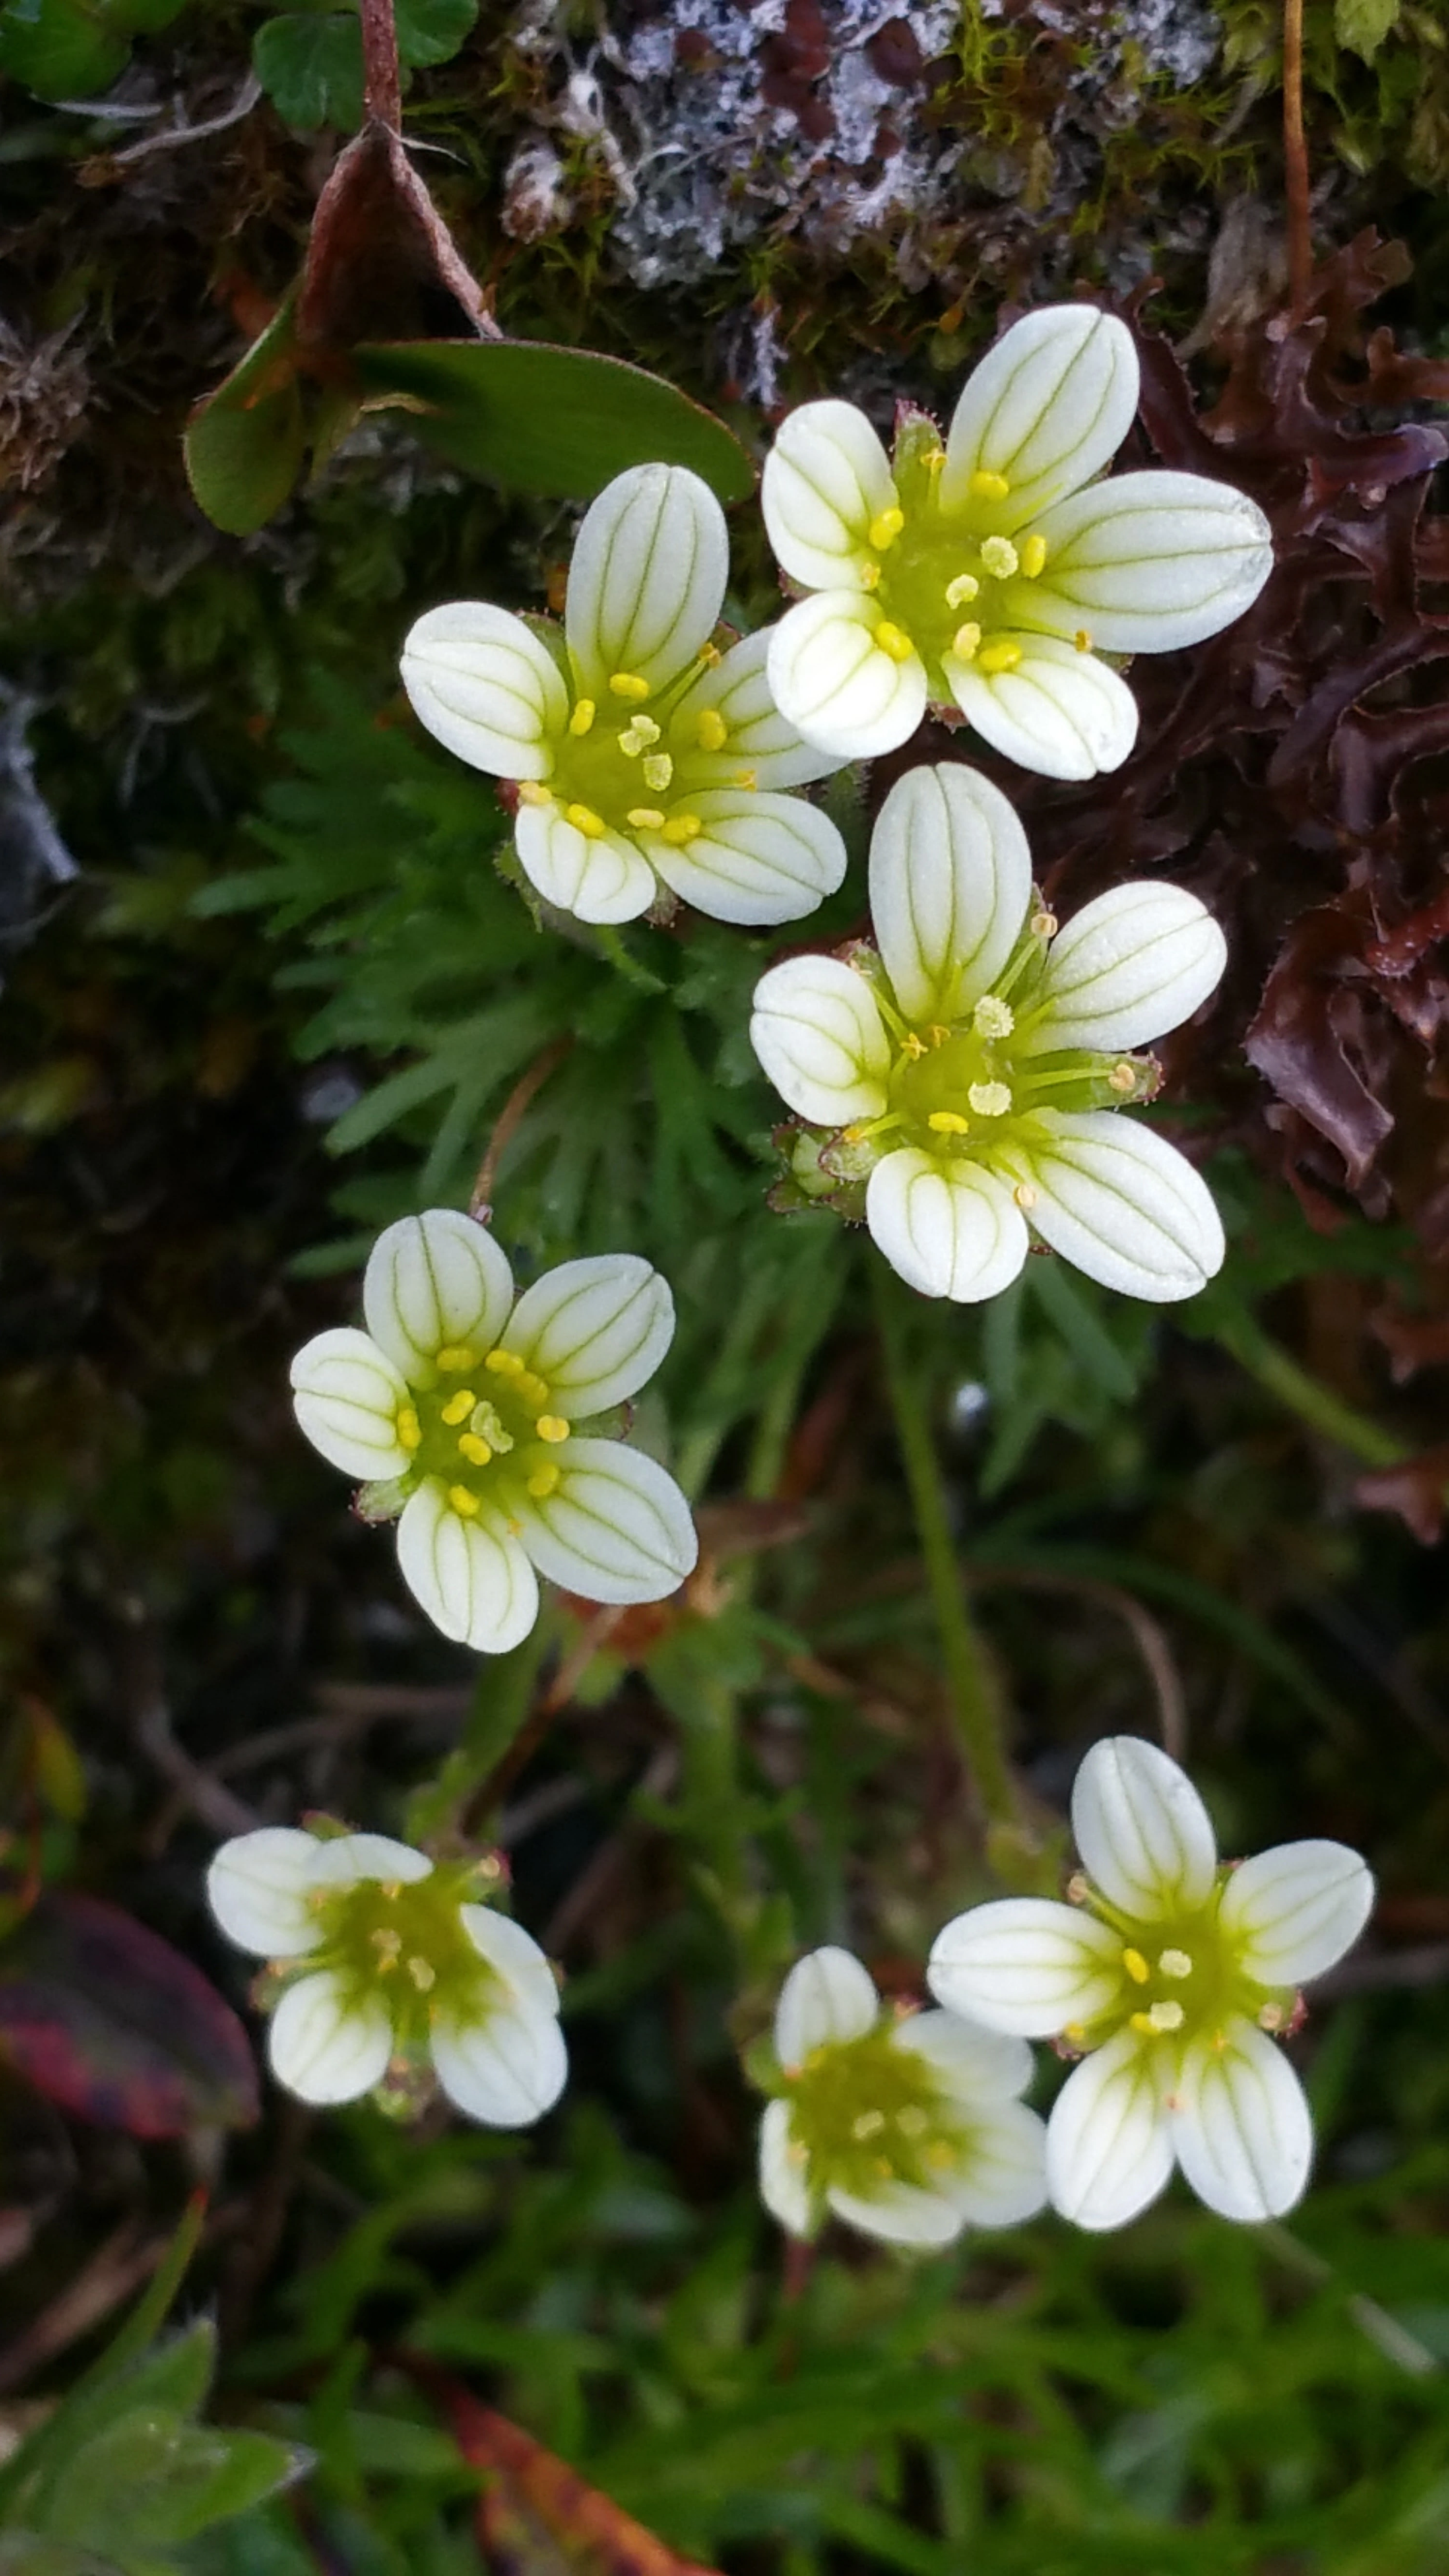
(1166, 2016)
(1001, 656)
(894, 641)
(583, 716)
(710, 730)
(993, 1018)
(504, 1363)
(1000, 558)
(641, 735)
(963, 589)
(985, 486)
(711, 656)
(462, 1501)
(1271, 2017)
(1175, 1963)
(552, 1427)
(533, 1389)
(409, 1429)
(627, 684)
(645, 818)
(989, 1099)
(455, 1356)
(1043, 924)
(870, 576)
(422, 1974)
(965, 643)
(542, 1482)
(868, 2125)
(1136, 1967)
(1082, 640)
(937, 1034)
(1025, 1197)
(1074, 2034)
(884, 531)
(476, 1451)
(748, 779)
(658, 772)
(459, 1406)
(585, 820)
(1122, 1078)
(530, 793)
(682, 828)
(388, 1941)
(1033, 556)
(912, 2121)
(949, 1122)
(913, 1046)
(1144, 2025)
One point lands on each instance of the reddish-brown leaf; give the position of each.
(1416, 1489)
(537, 2517)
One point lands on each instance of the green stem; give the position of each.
(1323, 1411)
(459, 1800)
(973, 1696)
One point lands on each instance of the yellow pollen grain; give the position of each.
(1043, 924)
(476, 1451)
(1167, 2016)
(459, 1406)
(966, 642)
(710, 730)
(534, 1390)
(455, 1356)
(748, 779)
(530, 793)
(422, 1974)
(1136, 1967)
(682, 828)
(912, 1046)
(1074, 2034)
(504, 1364)
(869, 2125)
(551, 1426)
(409, 1429)
(985, 486)
(1033, 556)
(1025, 1197)
(462, 1501)
(884, 531)
(993, 1018)
(543, 1482)
(870, 576)
(628, 684)
(937, 1034)
(1000, 557)
(1144, 2025)
(585, 820)
(989, 1099)
(961, 591)
(894, 640)
(645, 818)
(1174, 1963)
(1271, 2017)
(711, 656)
(1082, 640)
(583, 716)
(658, 771)
(1000, 656)
(912, 2121)
(949, 1122)
(387, 1940)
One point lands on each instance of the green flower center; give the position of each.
(628, 759)
(405, 1941)
(952, 582)
(1181, 1979)
(487, 1431)
(864, 2112)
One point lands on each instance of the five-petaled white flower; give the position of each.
(461, 1409)
(909, 2127)
(393, 1967)
(1174, 1974)
(982, 574)
(973, 1068)
(643, 755)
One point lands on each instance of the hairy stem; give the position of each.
(382, 85)
(520, 1098)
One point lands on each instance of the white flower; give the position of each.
(392, 1966)
(643, 755)
(907, 2127)
(983, 573)
(972, 1072)
(461, 1408)
(1173, 1974)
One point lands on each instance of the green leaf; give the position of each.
(245, 445)
(311, 69)
(24, 2553)
(558, 421)
(433, 31)
(160, 2480)
(59, 49)
(1361, 25)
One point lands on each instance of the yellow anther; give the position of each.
(1082, 640)
(985, 486)
(391, 1888)
(1033, 556)
(934, 459)
(476, 1451)
(658, 772)
(966, 641)
(534, 1390)
(459, 1406)
(1079, 1886)
(422, 1974)
(1167, 2016)
(1122, 1078)
(504, 1364)
(949, 1122)
(870, 576)
(989, 1099)
(1144, 2025)
(912, 2122)
(937, 1034)
(1001, 656)
(645, 818)
(710, 730)
(552, 1427)
(628, 684)
(585, 820)
(639, 736)
(711, 656)
(1025, 1197)
(455, 1356)
(938, 2153)
(961, 591)
(409, 1429)
(681, 828)
(993, 1018)
(884, 531)
(1136, 1967)
(868, 2125)
(388, 1941)
(583, 716)
(1043, 924)
(531, 793)
(912, 1046)
(1074, 2034)
(1271, 2017)
(1000, 557)
(462, 1501)
(1174, 1963)
(894, 640)
(748, 779)
(542, 1482)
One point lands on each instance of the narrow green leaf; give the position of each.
(311, 69)
(162, 2480)
(558, 421)
(245, 445)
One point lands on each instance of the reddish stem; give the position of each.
(382, 85)
(1295, 155)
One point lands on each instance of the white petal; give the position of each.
(827, 1996)
(821, 1039)
(1296, 1909)
(515, 1955)
(435, 1280)
(899, 2214)
(1109, 2143)
(596, 1330)
(783, 2186)
(1001, 2177)
(950, 1231)
(647, 579)
(1145, 1837)
(1026, 1964)
(760, 858)
(505, 2071)
(487, 688)
(257, 1888)
(321, 2049)
(972, 2062)
(603, 880)
(1149, 562)
(1047, 407)
(1243, 2133)
(737, 688)
(346, 1394)
(345, 1860)
(1060, 712)
(832, 681)
(950, 884)
(1127, 968)
(475, 1583)
(1115, 1198)
(616, 1527)
(826, 477)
